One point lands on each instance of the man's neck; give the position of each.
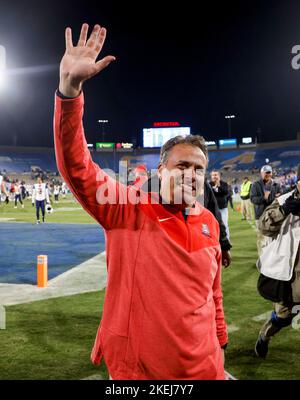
(175, 207)
(267, 181)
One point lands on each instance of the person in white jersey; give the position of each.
(3, 189)
(56, 193)
(18, 194)
(40, 195)
(63, 189)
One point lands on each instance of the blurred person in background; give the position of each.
(262, 194)
(245, 199)
(3, 190)
(230, 194)
(56, 190)
(221, 192)
(64, 189)
(23, 190)
(18, 194)
(12, 190)
(40, 196)
(279, 265)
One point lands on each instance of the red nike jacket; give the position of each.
(163, 314)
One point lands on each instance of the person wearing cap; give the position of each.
(221, 192)
(279, 279)
(263, 193)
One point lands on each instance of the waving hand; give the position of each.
(79, 62)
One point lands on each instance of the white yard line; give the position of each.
(262, 317)
(232, 328)
(93, 378)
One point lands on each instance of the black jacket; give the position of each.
(221, 194)
(257, 196)
(210, 203)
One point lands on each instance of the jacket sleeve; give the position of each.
(99, 194)
(218, 299)
(274, 192)
(271, 220)
(255, 195)
(223, 190)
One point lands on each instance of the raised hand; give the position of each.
(79, 62)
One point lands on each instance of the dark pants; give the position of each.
(56, 197)
(18, 197)
(281, 317)
(40, 204)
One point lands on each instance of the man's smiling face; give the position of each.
(182, 175)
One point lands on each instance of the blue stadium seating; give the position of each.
(22, 159)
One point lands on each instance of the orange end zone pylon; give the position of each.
(42, 271)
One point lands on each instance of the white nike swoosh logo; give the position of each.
(164, 219)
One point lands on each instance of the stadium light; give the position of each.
(229, 117)
(6, 73)
(2, 78)
(2, 66)
(103, 122)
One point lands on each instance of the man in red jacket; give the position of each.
(163, 314)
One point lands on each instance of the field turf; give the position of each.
(52, 339)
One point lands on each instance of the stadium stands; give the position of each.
(282, 155)
(25, 159)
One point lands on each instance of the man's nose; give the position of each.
(190, 174)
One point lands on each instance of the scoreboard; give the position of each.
(156, 137)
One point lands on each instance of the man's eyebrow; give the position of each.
(189, 163)
(183, 162)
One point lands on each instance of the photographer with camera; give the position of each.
(262, 194)
(279, 264)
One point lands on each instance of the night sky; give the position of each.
(186, 63)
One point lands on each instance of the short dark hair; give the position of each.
(193, 140)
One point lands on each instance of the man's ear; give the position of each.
(159, 170)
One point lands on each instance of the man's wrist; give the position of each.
(68, 89)
(62, 96)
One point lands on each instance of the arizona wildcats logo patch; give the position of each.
(205, 230)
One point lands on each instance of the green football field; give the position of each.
(52, 339)
(65, 211)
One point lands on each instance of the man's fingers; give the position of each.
(83, 35)
(100, 40)
(226, 258)
(92, 39)
(68, 35)
(101, 64)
